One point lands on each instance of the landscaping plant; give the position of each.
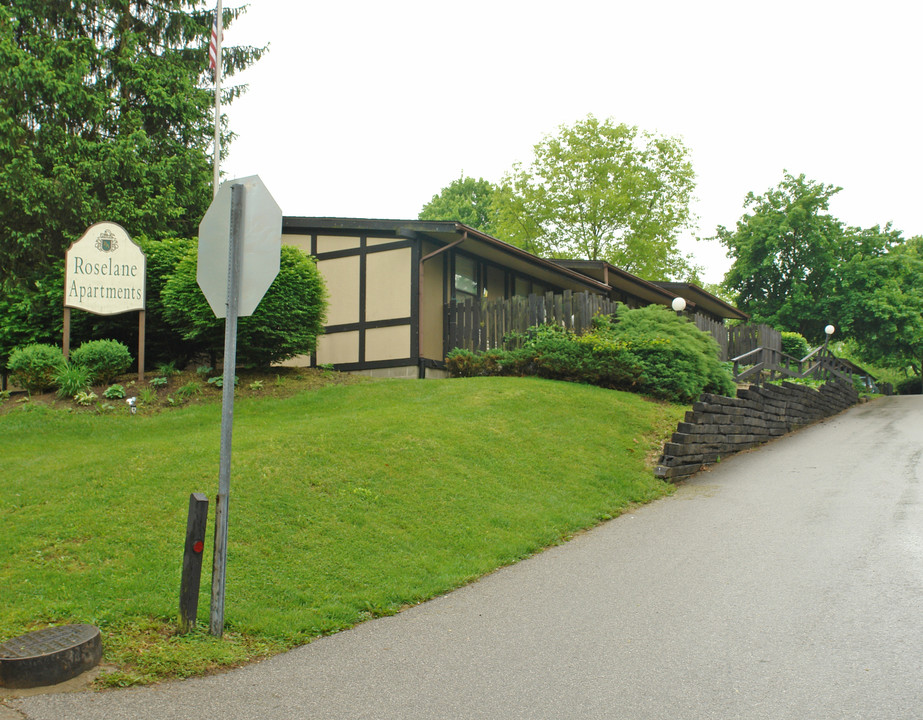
(649, 350)
(286, 323)
(105, 359)
(72, 379)
(35, 367)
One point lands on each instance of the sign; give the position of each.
(104, 272)
(261, 238)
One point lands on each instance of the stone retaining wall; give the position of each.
(719, 426)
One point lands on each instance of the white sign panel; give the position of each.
(261, 236)
(105, 272)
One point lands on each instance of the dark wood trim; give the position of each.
(416, 252)
(363, 281)
(371, 325)
(363, 249)
(375, 364)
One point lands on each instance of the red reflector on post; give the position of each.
(199, 546)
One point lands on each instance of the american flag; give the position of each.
(213, 45)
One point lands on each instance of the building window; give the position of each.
(466, 278)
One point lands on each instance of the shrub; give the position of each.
(72, 379)
(30, 311)
(35, 366)
(286, 323)
(105, 359)
(167, 369)
(554, 353)
(114, 392)
(85, 397)
(678, 361)
(795, 344)
(188, 390)
(649, 350)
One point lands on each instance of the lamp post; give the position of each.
(679, 304)
(829, 330)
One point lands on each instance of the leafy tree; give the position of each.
(881, 303)
(786, 250)
(465, 200)
(602, 191)
(798, 268)
(286, 323)
(105, 113)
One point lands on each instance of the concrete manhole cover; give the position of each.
(49, 656)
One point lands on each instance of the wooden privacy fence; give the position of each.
(480, 324)
(716, 329)
(735, 341)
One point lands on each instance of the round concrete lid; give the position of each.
(49, 656)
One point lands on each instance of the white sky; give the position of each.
(368, 109)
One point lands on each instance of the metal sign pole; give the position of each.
(219, 567)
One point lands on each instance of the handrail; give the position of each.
(776, 362)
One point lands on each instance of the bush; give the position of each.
(286, 323)
(910, 386)
(105, 359)
(35, 366)
(678, 361)
(795, 344)
(553, 353)
(114, 392)
(649, 350)
(72, 379)
(30, 311)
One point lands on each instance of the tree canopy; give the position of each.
(881, 304)
(105, 113)
(598, 190)
(798, 268)
(464, 200)
(785, 252)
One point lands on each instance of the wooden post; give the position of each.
(141, 329)
(66, 344)
(192, 561)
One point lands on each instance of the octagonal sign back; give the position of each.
(261, 240)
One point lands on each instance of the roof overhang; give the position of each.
(704, 300)
(446, 232)
(620, 279)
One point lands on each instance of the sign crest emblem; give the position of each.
(107, 242)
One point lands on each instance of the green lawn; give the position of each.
(347, 502)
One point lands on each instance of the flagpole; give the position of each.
(218, 32)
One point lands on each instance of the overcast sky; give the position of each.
(368, 109)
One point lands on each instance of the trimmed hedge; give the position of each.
(649, 350)
(105, 359)
(286, 323)
(35, 366)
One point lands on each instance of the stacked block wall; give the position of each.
(719, 426)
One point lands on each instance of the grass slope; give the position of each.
(347, 502)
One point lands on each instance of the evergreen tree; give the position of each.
(105, 114)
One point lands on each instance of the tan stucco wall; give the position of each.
(387, 343)
(342, 347)
(341, 276)
(388, 285)
(302, 242)
(332, 243)
(432, 317)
